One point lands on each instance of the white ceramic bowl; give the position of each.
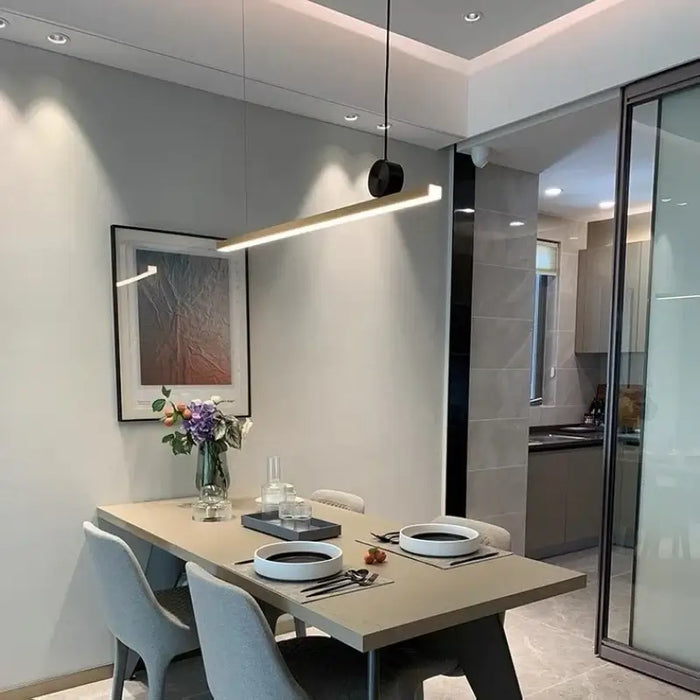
(269, 561)
(410, 540)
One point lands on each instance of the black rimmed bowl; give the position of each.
(298, 561)
(439, 540)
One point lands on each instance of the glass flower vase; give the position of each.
(212, 482)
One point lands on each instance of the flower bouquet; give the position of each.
(204, 424)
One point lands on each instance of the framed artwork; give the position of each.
(180, 320)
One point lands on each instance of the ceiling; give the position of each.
(441, 24)
(319, 59)
(577, 152)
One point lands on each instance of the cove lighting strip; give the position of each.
(336, 217)
(150, 271)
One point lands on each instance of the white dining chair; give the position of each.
(242, 659)
(339, 499)
(492, 535)
(157, 626)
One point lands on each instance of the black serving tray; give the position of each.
(305, 531)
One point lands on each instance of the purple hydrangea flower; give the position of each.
(200, 425)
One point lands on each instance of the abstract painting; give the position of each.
(180, 320)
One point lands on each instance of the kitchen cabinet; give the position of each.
(594, 298)
(564, 500)
(627, 468)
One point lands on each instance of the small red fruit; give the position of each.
(369, 558)
(380, 556)
(186, 414)
(169, 411)
(181, 407)
(168, 421)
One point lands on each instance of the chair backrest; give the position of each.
(133, 614)
(493, 535)
(241, 658)
(339, 499)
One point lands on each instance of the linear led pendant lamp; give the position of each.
(385, 183)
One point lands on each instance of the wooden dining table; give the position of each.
(422, 600)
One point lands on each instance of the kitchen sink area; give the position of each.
(563, 437)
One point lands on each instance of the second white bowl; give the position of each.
(439, 540)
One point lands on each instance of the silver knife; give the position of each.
(474, 558)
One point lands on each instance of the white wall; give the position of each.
(347, 328)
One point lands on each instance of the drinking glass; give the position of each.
(287, 506)
(302, 512)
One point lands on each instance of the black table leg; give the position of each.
(486, 661)
(373, 675)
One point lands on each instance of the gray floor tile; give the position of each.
(611, 682)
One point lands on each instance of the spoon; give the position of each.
(355, 575)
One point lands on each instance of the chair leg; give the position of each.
(299, 628)
(120, 654)
(155, 675)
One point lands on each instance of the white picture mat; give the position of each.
(135, 397)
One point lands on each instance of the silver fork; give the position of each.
(362, 584)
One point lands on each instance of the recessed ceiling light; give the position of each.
(607, 204)
(472, 16)
(665, 199)
(58, 38)
(466, 210)
(517, 223)
(351, 117)
(3, 23)
(682, 204)
(383, 127)
(553, 191)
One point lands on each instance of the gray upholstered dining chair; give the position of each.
(493, 535)
(339, 499)
(242, 659)
(157, 626)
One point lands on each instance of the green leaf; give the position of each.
(158, 405)
(166, 392)
(219, 430)
(168, 438)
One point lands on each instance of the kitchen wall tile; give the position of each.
(497, 393)
(502, 292)
(497, 443)
(494, 491)
(570, 414)
(536, 415)
(565, 358)
(568, 273)
(500, 343)
(567, 311)
(574, 388)
(507, 190)
(498, 243)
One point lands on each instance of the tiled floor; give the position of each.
(551, 642)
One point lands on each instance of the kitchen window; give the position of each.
(546, 267)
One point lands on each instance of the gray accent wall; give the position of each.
(347, 326)
(502, 308)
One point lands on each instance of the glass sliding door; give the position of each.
(649, 612)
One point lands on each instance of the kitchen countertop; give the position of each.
(556, 437)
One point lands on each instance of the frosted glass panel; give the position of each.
(666, 595)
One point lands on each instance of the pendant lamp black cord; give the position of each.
(386, 80)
